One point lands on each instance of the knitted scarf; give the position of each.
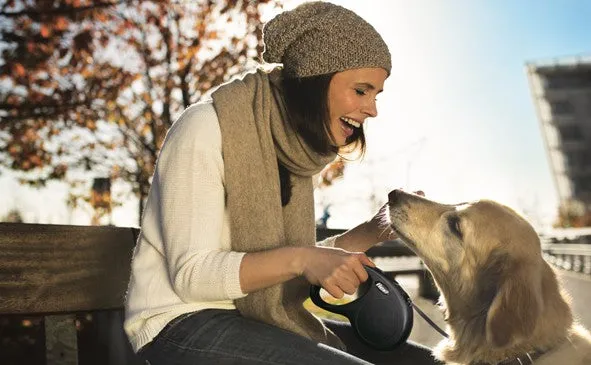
(255, 135)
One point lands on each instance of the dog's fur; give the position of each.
(500, 298)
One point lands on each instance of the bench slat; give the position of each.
(58, 268)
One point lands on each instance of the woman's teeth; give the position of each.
(351, 122)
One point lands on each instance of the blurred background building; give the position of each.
(561, 91)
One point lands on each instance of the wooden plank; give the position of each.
(57, 268)
(61, 343)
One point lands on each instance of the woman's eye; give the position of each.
(360, 91)
(454, 226)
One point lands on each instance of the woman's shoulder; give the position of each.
(199, 122)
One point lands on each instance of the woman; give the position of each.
(226, 253)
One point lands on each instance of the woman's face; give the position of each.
(351, 99)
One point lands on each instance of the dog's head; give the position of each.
(487, 261)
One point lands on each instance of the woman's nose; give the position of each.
(370, 109)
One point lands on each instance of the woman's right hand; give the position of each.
(334, 269)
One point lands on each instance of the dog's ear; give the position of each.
(515, 308)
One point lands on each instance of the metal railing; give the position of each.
(569, 256)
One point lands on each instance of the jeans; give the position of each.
(216, 336)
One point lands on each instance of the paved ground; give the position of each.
(577, 285)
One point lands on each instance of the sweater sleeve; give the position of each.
(189, 179)
(328, 242)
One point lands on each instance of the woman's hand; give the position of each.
(379, 225)
(336, 270)
(373, 231)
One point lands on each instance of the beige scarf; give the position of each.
(255, 134)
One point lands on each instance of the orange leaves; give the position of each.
(30, 136)
(101, 17)
(45, 31)
(212, 35)
(61, 23)
(27, 151)
(59, 171)
(146, 130)
(13, 100)
(331, 172)
(147, 98)
(86, 72)
(130, 68)
(74, 3)
(18, 70)
(14, 149)
(90, 124)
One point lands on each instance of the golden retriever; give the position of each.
(501, 300)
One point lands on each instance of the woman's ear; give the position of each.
(514, 311)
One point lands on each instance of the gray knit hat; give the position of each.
(318, 37)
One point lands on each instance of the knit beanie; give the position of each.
(319, 37)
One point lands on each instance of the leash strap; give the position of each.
(429, 320)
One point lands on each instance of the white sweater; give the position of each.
(183, 261)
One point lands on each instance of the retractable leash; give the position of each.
(382, 314)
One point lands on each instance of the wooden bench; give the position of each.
(59, 271)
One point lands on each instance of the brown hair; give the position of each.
(306, 100)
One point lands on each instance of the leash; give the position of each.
(429, 320)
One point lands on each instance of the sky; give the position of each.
(456, 118)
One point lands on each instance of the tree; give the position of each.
(93, 85)
(573, 213)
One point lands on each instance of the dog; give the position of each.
(501, 301)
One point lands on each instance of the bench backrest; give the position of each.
(62, 269)
(57, 270)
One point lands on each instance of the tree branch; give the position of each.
(62, 10)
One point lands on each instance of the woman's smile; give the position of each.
(352, 99)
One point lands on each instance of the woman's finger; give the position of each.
(334, 291)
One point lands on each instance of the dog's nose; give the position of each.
(394, 195)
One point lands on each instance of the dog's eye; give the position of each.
(454, 225)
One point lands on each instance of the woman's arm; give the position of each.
(364, 236)
(367, 234)
(336, 270)
(259, 270)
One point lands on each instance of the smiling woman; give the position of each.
(227, 250)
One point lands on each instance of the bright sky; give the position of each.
(456, 118)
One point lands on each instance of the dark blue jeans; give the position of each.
(216, 336)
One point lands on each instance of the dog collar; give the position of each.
(524, 359)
